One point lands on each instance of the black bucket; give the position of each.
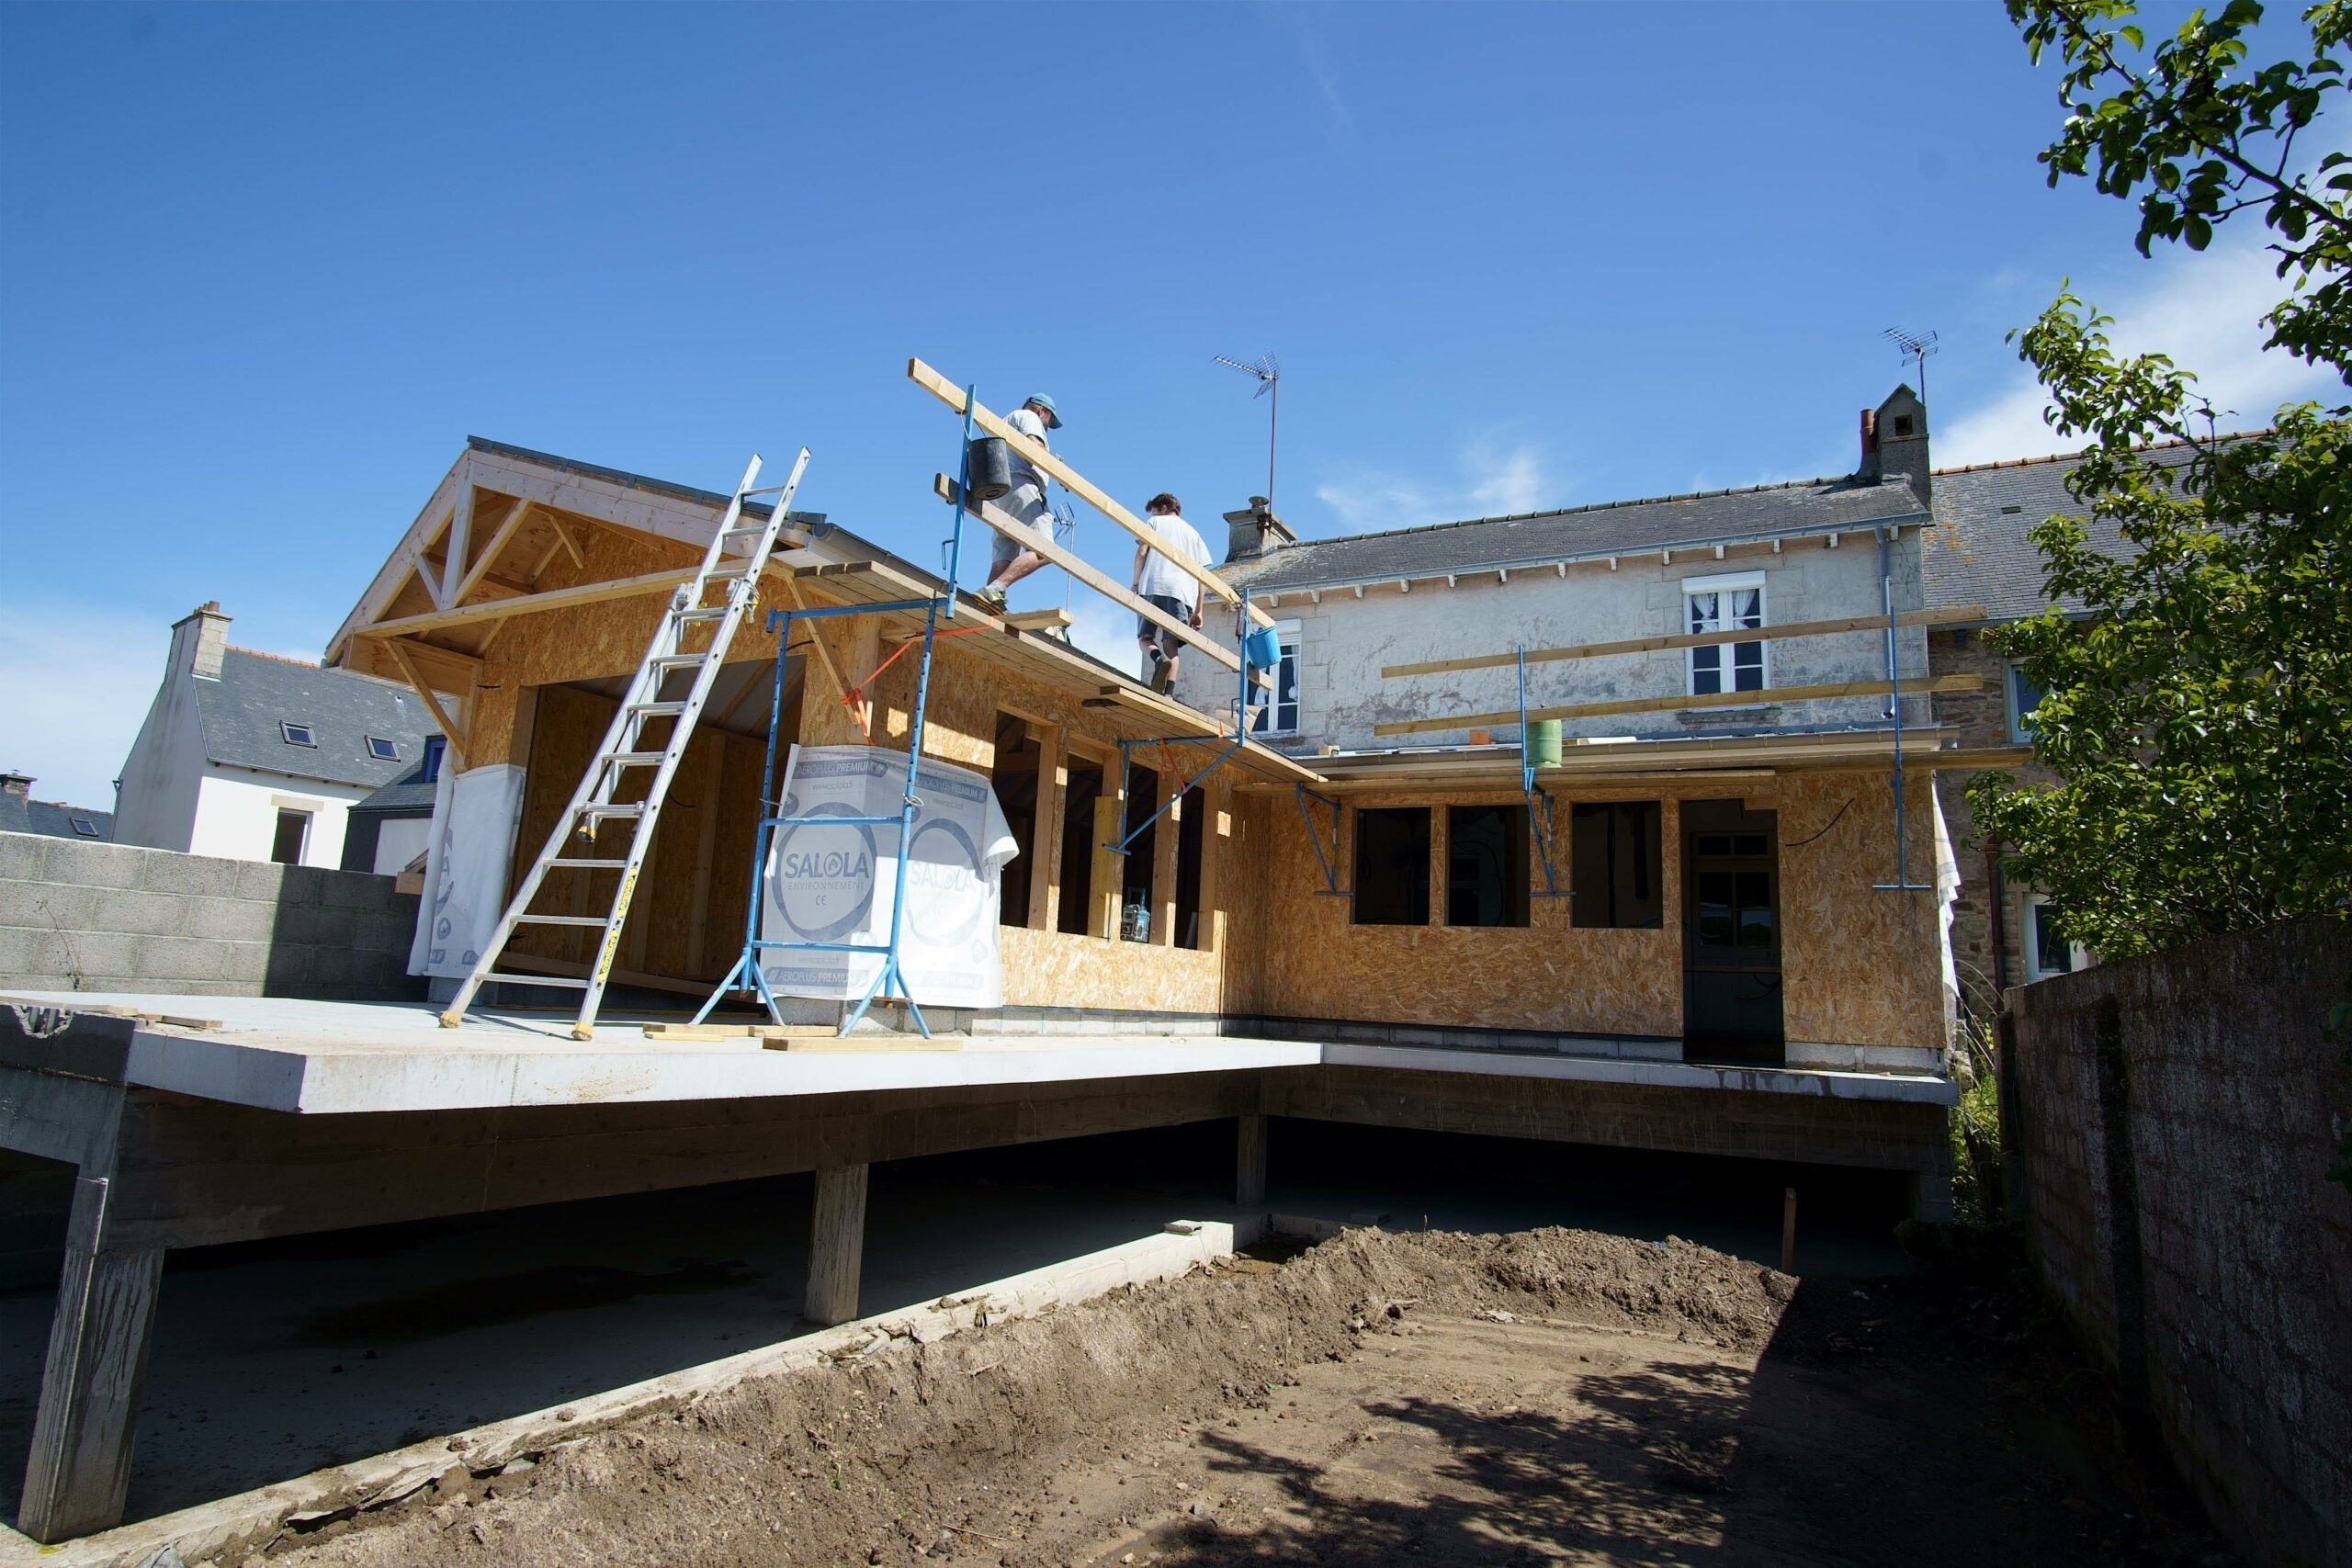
(989, 468)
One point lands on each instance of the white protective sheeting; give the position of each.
(835, 884)
(474, 815)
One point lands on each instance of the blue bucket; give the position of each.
(1262, 647)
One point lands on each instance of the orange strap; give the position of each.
(855, 698)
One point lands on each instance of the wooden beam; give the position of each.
(499, 540)
(1968, 614)
(554, 599)
(1045, 834)
(1028, 538)
(453, 560)
(1707, 700)
(1037, 620)
(453, 737)
(1181, 720)
(1078, 484)
(571, 546)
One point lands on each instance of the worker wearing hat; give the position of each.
(1009, 563)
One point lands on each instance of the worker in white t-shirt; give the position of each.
(1009, 563)
(1158, 580)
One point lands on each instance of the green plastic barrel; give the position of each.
(1544, 742)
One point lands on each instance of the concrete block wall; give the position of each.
(2170, 1121)
(87, 917)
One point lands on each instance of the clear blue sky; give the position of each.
(264, 268)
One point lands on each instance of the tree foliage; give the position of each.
(2198, 712)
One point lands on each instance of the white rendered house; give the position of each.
(249, 755)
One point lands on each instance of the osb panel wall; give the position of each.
(1547, 976)
(1054, 969)
(685, 921)
(1859, 966)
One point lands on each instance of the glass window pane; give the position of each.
(1747, 607)
(1715, 843)
(1755, 890)
(1755, 927)
(2052, 953)
(1748, 844)
(1703, 612)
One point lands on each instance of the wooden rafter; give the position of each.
(554, 599)
(1956, 616)
(1029, 539)
(1668, 704)
(452, 735)
(499, 540)
(1078, 484)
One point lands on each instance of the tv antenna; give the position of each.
(1270, 376)
(1914, 351)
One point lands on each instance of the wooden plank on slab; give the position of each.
(1674, 704)
(1029, 539)
(1955, 616)
(1037, 620)
(1078, 484)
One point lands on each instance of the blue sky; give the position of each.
(264, 268)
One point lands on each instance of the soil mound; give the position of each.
(859, 1461)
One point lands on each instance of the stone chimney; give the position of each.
(1255, 530)
(1894, 442)
(19, 785)
(201, 638)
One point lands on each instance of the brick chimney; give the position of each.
(19, 785)
(200, 637)
(1255, 530)
(1894, 442)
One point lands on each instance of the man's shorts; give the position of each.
(1153, 632)
(1026, 502)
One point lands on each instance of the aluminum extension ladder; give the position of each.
(737, 569)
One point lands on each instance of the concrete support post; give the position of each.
(80, 1467)
(1249, 1161)
(836, 1244)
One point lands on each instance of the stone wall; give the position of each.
(1987, 943)
(88, 917)
(2169, 1122)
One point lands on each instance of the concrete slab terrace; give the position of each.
(330, 1058)
(278, 1118)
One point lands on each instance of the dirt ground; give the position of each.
(1547, 1397)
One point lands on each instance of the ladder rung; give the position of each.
(705, 613)
(560, 920)
(727, 572)
(634, 758)
(537, 980)
(673, 660)
(588, 862)
(658, 709)
(636, 809)
(850, 821)
(747, 528)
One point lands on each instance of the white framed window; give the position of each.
(296, 734)
(383, 750)
(291, 840)
(1731, 601)
(1279, 716)
(2048, 950)
(2024, 697)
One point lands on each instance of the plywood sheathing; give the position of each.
(1547, 976)
(1860, 967)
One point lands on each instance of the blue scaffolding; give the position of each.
(890, 979)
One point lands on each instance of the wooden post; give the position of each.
(80, 1468)
(1249, 1161)
(1164, 838)
(836, 1244)
(1045, 876)
(1789, 1231)
(1110, 888)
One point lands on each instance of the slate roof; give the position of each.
(1979, 551)
(256, 692)
(51, 817)
(410, 795)
(1537, 538)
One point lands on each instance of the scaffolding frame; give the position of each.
(936, 608)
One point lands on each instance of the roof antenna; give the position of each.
(1270, 376)
(1915, 350)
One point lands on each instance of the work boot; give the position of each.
(1163, 672)
(993, 597)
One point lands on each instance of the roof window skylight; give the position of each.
(83, 825)
(383, 750)
(296, 734)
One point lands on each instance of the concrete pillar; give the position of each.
(80, 1467)
(836, 1244)
(1249, 1161)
